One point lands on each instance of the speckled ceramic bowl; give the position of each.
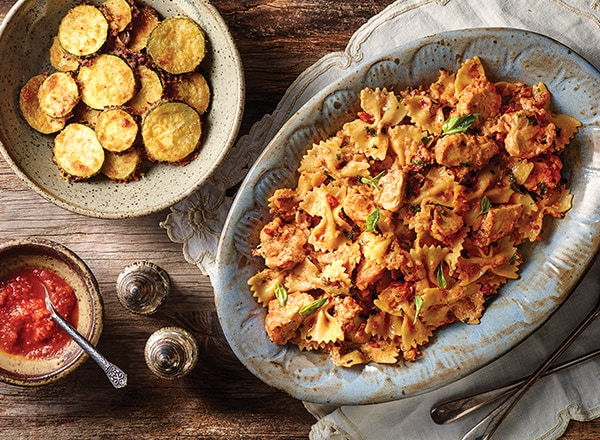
(25, 38)
(17, 255)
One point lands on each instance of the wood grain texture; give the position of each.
(220, 399)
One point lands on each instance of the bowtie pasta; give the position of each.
(410, 216)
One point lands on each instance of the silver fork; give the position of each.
(117, 377)
(452, 410)
(488, 425)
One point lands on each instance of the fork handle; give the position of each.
(488, 425)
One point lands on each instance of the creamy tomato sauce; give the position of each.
(26, 327)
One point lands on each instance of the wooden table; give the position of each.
(220, 399)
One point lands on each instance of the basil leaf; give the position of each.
(458, 124)
(281, 294)
(372, 220)
(441, 280)
(312, 307)
(486, 205)
(373, 180)
(418, 305)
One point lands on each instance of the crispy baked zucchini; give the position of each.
(85, 115)
(83, 30)
(58, 94)
(106, 80)
(62, 60)
(177, 45)
(146, 20)
(150, 91)
(171, 132)
(77, 152)
(122, 167)
(119, 13)
(116, 130)
(31, 110)
(192, 89)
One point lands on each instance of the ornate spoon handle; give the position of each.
(117, 377)
(488, 425)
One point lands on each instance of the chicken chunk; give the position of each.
(497, 223)
(462, 149)
(282, 244)
(282, 322)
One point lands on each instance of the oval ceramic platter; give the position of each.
(25, 38)
(552, 267)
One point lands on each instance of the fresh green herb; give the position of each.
(312, 307)
(418, 305)
(372, 220)
(532, 120)
(373, 180)
(418, 163)
(458, 124)
(486, 205)
(543, 189)
(370, 131)
(441, 280)
(514, 185)
(414, 208)
(281, 294)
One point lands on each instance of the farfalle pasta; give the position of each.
(411, 215)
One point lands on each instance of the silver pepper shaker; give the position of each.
(171, 352)
(142, 287)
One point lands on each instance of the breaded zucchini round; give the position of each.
(85, 115)
(83, 31)
(171, 132)
(192, 89)
(30, 108)
(143, 23)
(177, 45)
(58, 94)
(107, 80)
(116, 130)
(122, 167)
(150, 92)
(62, 60)
(77, 152)
(119, 13)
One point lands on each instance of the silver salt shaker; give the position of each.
(142, 287)
(171, 352)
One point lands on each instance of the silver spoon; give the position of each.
(450, 411)
(117, 377)
(488, 425)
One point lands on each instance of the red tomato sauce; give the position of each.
(26, 327)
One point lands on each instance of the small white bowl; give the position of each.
(25, 38)
(17, 255)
